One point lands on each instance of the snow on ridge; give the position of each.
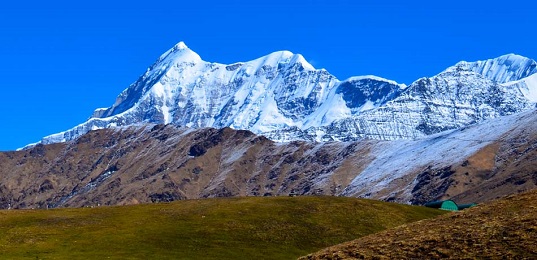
(531, 83)
(527, 86)
(298, 58)
(503, 69)
(280, 57)
(377, 78)
(332, 109)
(180, 45)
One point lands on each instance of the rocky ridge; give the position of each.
(156, 163)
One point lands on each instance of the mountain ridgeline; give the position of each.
(284, 98)
(161, 163)
(274, 126)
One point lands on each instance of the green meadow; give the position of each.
(223, 228)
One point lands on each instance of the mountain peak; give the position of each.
(512, 56)
(284, 57)
(180, 45)
(180, 53)
(506, 68)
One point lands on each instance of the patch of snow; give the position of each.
(527, 86)
(531, 83)
(376, 78)
(367, 106)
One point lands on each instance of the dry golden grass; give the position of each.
(505, 228)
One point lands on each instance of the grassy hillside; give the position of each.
(233, 228)
(506, 228)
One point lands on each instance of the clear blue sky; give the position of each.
(61, 60)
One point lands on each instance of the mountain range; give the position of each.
(160, 163)
(275, 126)
(284, 98)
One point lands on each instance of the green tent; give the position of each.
(443, 204)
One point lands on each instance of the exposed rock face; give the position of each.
(159, 163)
(163, 163)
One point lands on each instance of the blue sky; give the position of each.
(62, 59)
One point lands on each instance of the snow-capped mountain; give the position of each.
(285, 98)
(510, 67)
(464, 94)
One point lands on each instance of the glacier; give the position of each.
(285, 98)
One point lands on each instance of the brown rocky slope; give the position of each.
(155, 163)
(164, 163)
(502, 229)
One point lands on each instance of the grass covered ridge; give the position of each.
(230, 228)
(500, 229)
